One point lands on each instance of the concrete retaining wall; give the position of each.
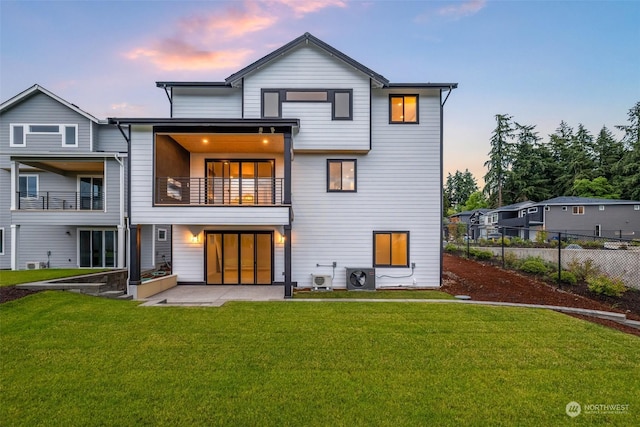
(153, 286)
(615, 263)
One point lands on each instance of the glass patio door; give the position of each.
(97, 248)
(239, 258)
(240, 182)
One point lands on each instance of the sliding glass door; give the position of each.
(97, 248)
(240, 182)
(239, 258)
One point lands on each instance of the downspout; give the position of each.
(127, 137)
(442, 177)
(122, 201)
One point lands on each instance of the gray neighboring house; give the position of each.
(475, 219)
(63, 176)
(589, 217)
(515, 218)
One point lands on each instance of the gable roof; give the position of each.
(306, 38)
(573, 200)
(35, 89)
(513, 207)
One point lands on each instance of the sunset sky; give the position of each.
(538, 61)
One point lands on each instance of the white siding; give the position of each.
(207, 102)
(398, 185)
(310, 68)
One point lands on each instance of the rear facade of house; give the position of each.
(303, 164)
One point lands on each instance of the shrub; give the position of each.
(480, 254)
(605, 285)
(451, 248)
(511, 260)
(566, 277)
(534, 265)
(541, 237)
(583, 270)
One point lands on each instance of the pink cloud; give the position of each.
(467, 8)
(174, 54)
(303, 7)
(231, 23)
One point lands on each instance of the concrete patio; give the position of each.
(214, 295)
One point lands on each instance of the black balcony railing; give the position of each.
(254, 191)
(60, 200)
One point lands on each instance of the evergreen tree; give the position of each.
(630, 167)
(559, 143)
(500, 158)
(458, 188)
(527, 179)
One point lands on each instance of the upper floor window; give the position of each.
(341, 175)
(532, 210)
(66, 134)
(636, 207)
(403, 108)
(601, 207)
(578, 210)
(340, 99)
(391, 248)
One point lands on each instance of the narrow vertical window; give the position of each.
(342, 105)
(391, 249)
(271, 104)
(1, 241)
(403, 109)
(17, 136)
(341, 175)
(70, 136)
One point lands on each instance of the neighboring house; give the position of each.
(474, 218)
(304, 163)
(589, 217)
(515, 219)
(63, 175)
(581, 216)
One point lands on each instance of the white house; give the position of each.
(305, 163)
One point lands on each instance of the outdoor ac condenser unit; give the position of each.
(33, 265)
(321, 281)
(361, 279)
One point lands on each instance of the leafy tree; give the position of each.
(500, 158)
(598, 187)
(476, 200)
(459, 187)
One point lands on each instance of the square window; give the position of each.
(403, 109)
(636, 207)
(341, 175)
(601, 207)
(391, 249)
(162, 234)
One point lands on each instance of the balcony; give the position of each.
(254, 191)
(60, 201)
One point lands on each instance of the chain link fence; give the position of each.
(561, 256)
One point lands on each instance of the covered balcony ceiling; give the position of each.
(67, 167)
(230, 143)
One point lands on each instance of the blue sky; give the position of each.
(538, 61)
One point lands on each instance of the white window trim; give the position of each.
(12, 143)
(576, 210)
(532, 210)
(1, 240)
(636, 207)
(37, 184)
(601, 207)
(162, 230)
(62, 129)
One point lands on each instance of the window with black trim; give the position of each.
(341, 175)
(341, 101)
(391, 249)
(1, 241)
(403, 108)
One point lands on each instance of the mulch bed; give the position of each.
(9, 293)
(486, 282)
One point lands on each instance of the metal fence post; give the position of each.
(502, 244)
(560, 260)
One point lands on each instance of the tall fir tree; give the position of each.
(500, 158)
(630, 168)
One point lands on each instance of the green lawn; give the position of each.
(15, 277)
(378, 294)
(74, 360)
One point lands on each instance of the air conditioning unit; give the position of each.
(361, 279)
(33, 265)
(321, 281)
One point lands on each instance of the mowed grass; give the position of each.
(378, 294)
(16, 277)
(74, 360)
